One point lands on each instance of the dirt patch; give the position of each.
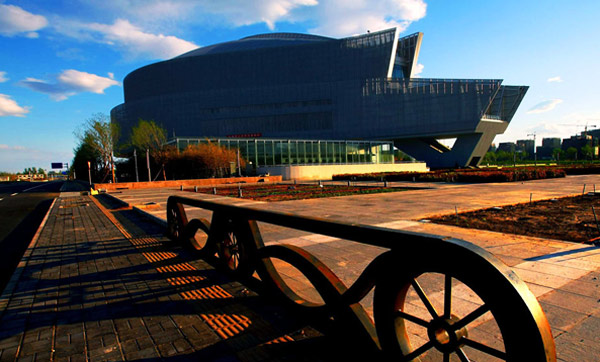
(296, 192)
(567, 218)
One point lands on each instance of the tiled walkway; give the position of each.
(564, 276)
(101, 285)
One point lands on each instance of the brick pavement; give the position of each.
(106, 285)
(565, 277)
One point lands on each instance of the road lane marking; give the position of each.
(35, 187)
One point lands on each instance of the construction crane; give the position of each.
(534, 152)
(581, 125)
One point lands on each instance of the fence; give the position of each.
(233, 241)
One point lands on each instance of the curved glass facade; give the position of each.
(279, 152)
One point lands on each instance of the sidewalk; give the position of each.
(101, 283)
(565, 277)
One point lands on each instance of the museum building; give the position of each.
(356, 95)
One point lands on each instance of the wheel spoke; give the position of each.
(483, 348)
(447, 296)
(419, 351)
(461, 354)
(412, 318)
(471, 317)
(424, 299)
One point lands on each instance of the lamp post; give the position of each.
(137, 177)
(90, 172)
(148, 164)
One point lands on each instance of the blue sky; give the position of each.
(64, 60)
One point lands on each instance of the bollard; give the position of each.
(385, 184)
(214, 190)
(240, 192)
(180, 187)
(195, 188)
(320, 185)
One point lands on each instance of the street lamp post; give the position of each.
(137, 177)
(90, 172)
(148, 164)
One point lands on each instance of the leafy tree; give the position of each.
(147, 135)
(587, 151)
(85, 153)
(99, 135)
(204, 160)
(490, 157)
(572, 153)
(558, 154)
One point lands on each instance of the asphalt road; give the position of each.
(23, 206)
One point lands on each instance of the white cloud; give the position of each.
(417, 70)
(9, 148)
(3, 77)
(339, 18)
(555, 79)
(16, 21)
(9, 107)
(69, 83)
(128, 38)
(544, 106)
(163, 14)
(251, 12)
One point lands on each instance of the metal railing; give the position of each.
(234, 237)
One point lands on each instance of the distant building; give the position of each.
(546, 150)
(33, 176)
(509, 147)
(578, 142)
(283, 86)
(527, 146)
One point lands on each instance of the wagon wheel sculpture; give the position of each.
(447, 294)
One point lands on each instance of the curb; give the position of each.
(140, 211)
(12, 283)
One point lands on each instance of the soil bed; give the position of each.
(297, 192)
(567, 218)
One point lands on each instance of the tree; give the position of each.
(490, 157)
(572, 153)
(558, 154)
(204, 160)
(587, 151)
(100, 135)
(147, 135)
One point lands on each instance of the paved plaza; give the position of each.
(101, 282)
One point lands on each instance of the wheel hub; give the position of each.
(444, 336)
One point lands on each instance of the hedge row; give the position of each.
(462, 175)
(581, 170)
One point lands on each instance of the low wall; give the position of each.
(324, 172)
(177, 183)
